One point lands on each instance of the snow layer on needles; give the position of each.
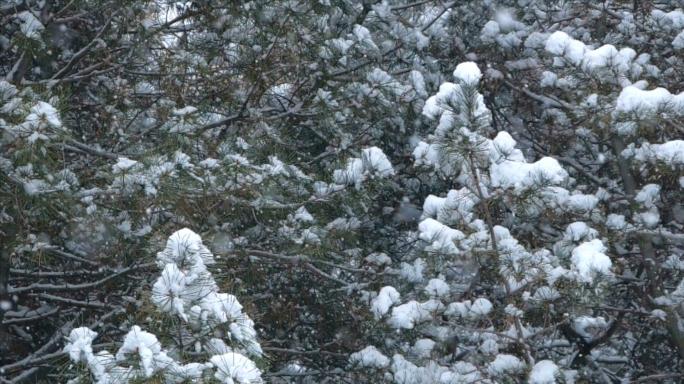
(678, 42)
(426, 154)
(671, 153)
(381, 304)
(123, 164)
(185, 289)
(373, 163)
(167, 291)
(234, 368)
(144, 344)
(370, 357)
(413, 273)
(579, 54)
(579, 230)
(79, 344)
(607, 56)
(505, 364)
(635, 100)
(185, 247)
(44, 112)
(673, 19)
(468, 73)
(467, 309)
(435, 105)
(560, 44)
(544, 372)
(437, 287)
(432, 205)
(589, 259)
(518, 175)
(408, 315)
(441, 238)
(30, 26)
(510, 170)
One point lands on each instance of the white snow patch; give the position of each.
(79, 344)
(370, 357)
(413, 272)
(30, 26)
(635, 100)
(588, 259)
(467, 309)
(381, 304)
(123, 164)
(441, 237)
(185, 111)
(505, 364)
(233, 367)
(145, 345)
(378, 258)
(42, 113)
(437, 287)
(375, 161)
(468, 73)
(560, 44)
(303, 215)
(408, 315)
(432, 205)
(544, 372)
(671, 153)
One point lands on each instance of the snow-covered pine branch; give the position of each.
(211, 326)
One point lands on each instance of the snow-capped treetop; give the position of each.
(187, 289)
